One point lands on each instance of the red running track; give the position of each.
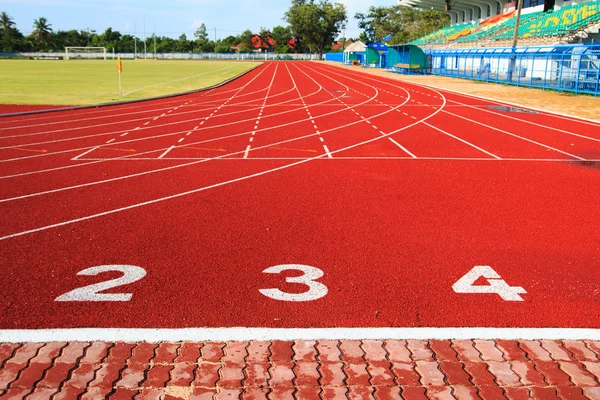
(391, 191)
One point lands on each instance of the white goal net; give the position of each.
(85, 52)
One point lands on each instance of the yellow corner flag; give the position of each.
(120, 69)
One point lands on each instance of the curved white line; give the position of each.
(225, 182)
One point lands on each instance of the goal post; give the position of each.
(85, 52)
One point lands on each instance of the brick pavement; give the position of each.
(328, 369)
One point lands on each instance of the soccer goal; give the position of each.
(85, 52)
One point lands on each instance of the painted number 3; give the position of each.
(315, 291)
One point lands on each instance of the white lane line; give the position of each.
(154, 119)
(201, 142)
(544, 112)
(462, 140)
(147, 123)
(400, 146)
(517, 136)
(166, 151)
(188, 134)
(84, 153)
(244, 334)
(219, 184)
(180, 140)
(110, 141)
(158, 126)
(124, 134)
(163, 114)
(247, 151)
(327, 151)
(321, 139)
(251, 139)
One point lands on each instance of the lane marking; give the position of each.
(327, 151)
(84, 153)
(166, 152)
(244, 334)
(204, 160)
(124, 134)
(110, 141)
(180, 140)
(462, 140)
(247, 151)
(401, 147)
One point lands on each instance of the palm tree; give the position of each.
(6, 22)
(42, 29)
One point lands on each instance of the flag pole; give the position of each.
(119, 71)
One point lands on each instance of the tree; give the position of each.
(42, 31)
(183, 45)
(10, 37)
(316, 25)
(203, 44)
(266, 38)
(281, 35)
(246, 39)
(6, 22)
(403, 23)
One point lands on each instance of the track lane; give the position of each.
(392, 236)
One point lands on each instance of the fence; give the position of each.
(571, 68)
(166, 56)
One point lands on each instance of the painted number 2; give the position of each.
(496, 284)
(131, 274)
(315, 291)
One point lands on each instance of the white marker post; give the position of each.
(120, 70)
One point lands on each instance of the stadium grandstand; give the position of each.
(477, 23)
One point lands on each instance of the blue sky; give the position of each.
(172, 17)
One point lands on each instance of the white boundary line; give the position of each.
(565, 160)
(243, 334)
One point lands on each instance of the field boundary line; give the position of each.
(243, 334)
(133, 101)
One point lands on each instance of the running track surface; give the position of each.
(391, 191)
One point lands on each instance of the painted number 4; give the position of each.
(496, 284)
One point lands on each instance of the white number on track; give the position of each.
(316, 290)
(496, 284)
(131, 274)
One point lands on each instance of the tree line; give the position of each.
(313, 25)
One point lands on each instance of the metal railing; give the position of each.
(569, 68)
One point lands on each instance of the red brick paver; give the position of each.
(327, 369)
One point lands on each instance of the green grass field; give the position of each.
(80, 82)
